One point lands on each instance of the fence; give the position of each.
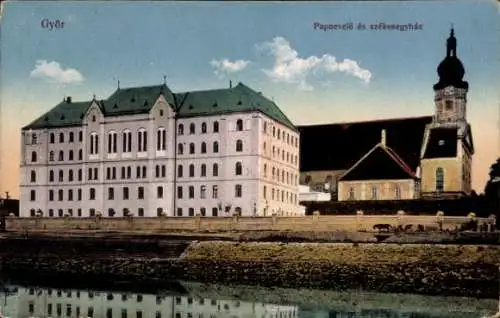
(316, 222)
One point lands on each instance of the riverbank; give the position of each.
(417, 268)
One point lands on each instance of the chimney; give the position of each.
(383, 138)
(230, 84)
(68, 99)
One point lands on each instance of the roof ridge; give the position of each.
(369, 121)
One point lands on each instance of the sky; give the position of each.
(315, 73)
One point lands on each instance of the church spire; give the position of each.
(451, 44)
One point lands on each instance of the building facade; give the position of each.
(147, 152)
(398, 159)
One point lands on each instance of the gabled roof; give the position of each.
(138, 100)
(442, 143)
(239, 98)
(380, 163)
(347, 142)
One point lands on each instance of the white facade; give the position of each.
(46, 302)
(159, 163)
(307, 195)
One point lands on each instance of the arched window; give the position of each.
(180, 130)
(216, 127)
(157, 171)
(180, 149)
(215, 170)
(215, 147)
(238, 169)
(239, 125)
(192, 128)
(112, 139)
(52, 138)
(80, 154)
(71, 137)
(70, 175)
(61, 176)
(126, 141)
(94, 143)
(51, 176)
(61, 155)
(204, 128)
(203, 147)
(439, 179)
(161, 139)
(33, 176)
(33, 156)
(239, 145)
(265, 170)
(70, 156)
(180, 171)
(191, 148)
(142, 140)
(203, 170)
(33, 139)
(191, 170)
(61, 137)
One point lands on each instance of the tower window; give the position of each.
(448, 105)
(439, 179)
(441, 142)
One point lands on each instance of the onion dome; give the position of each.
(451, 70)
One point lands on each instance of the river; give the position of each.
(197, 300)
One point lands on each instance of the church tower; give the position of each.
(446, 156)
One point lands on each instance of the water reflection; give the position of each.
(210, 301)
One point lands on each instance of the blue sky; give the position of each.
(387, 73)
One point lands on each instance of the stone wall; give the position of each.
(358, 222)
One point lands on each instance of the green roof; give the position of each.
(137, 100)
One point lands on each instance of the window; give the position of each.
(70, 155)
(79, 195)
(52, 138)
(80, 174)
(70, 175)
(203, 147)
(191, 192)
(192, 129)
(203, 170)
(163, 171)
(191, 148)
(215, 170)
(179, 211)
(239, 145)
(180, 149)
(397, 190)
(191, 211)
(32, 195)
(264, 192)
(61, 156)
(61, 176)
(140, 212)
(80, 136)
(51, 176)
(51, 156)
(127, 141)
(179, 171)
(159, 211)
(179, 192)
(448, 105)
(71, 137)
(94, 143)
(203, 192)
(203, 212)
(238, 169)
(70, 195)
(439, 179)
(140, 193)
(215, 211)
(159, 192)
(216, 127)
(61, 137)
(238, 190)
(265, 170)
(215, 147)
(125, 193)
(33, 139)
(180, 130)
(239, 125)
(191, 170)
(374, 193)
(33, 156)
(91, 194)
(161, 139)
(60, 195)
(215, 192)
(111, 193)
(203, 128)
(351, 194)
(142, 140)
(112, 139)
(265, 127)
(80, 154)
(33, 176)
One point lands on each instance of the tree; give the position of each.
(492, 189)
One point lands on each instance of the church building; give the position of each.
(426, 157)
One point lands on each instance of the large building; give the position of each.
(147, 151)
(397, 159)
